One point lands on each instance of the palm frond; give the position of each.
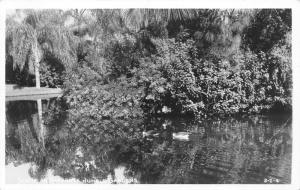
(139, 18)
(59, 42)
(22, 40)
(40, 31)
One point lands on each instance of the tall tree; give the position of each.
(36, 34)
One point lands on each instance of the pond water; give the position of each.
(44, 145)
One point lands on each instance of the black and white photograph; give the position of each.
(148, 96)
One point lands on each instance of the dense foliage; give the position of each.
(131, 63)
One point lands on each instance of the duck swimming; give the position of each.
(181, 136)
(150, 133)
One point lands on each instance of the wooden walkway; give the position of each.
(14, 93)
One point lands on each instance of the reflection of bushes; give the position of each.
(55, 114)
(22, 135)
(223, 147)
(92, 153)
(162, 162)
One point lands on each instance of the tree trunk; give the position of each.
(37, 58)
(37, 75)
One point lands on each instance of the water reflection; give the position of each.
(53, 146)
(19, 174)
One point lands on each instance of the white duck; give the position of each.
(183, 136)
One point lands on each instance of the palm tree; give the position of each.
(139, 18)
(36, 34)
(215, 27)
